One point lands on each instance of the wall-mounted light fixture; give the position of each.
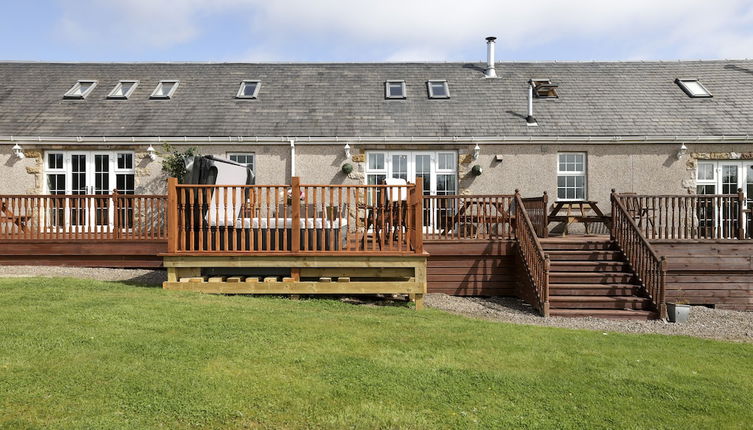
(151, 153)
(682, 151)
(347, 150)
(476, 152)
(18, 151)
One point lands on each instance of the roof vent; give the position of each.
(490, 72)
(530, 120)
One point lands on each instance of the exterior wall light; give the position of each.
(682, 151)
(151, 153)
(347, 168)
(476, 170)
(347, 150)
(18, 151)
(476, 152)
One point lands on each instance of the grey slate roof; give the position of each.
(327, 100)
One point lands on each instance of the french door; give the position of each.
(725, 177)
(92, 175)
(438, 169)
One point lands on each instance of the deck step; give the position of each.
(605, 313)
(589, 266)
(589, 278)
(593, 289)
(599, 302)
(576, 244)
(584, 255)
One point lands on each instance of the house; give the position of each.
(572, 130)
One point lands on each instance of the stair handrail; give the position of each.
(649, 267)
(536, 261)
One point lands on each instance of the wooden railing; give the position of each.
(83, 217)
(535, 260)
(462, 217)
(647, 265)
(344, 219)
(690, 217)
(537, 209)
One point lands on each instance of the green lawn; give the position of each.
(86, 354)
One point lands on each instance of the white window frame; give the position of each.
(71, 94)
(431, 91)
(706, 182)
(113, 94)
(229, 155)
(67, 167)
(403, 92)
(434, 169)
(240, 94)
(583, 173)
(161, 83)
(682, 82)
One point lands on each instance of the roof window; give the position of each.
(81, 89)
(438, 89)
(544, 89)
(394, 89)
(165, 89)
(248, 90)
(693, 87)
(123, 90)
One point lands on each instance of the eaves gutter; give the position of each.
(285, 140)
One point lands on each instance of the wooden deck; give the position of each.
(392, 240)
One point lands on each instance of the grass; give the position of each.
(87, 354)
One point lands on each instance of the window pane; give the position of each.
(729, 179)
(438, 89)
(446, 161)
(446, 185)
(376, 161)
(125, 161)
(375, 179)
(705, 172)
(706, 189)
(400, 166)
(395, 89)
(54, 161)
(249, 88)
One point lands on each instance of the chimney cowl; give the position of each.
(490, 72)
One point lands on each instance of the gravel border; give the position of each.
(704, 322)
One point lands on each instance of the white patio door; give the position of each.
(725, 177)
(90, 174)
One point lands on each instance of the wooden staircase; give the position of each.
(588, 276)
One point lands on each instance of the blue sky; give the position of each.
(386, 30)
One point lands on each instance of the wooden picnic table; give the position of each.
(481, 217)
(585, 212)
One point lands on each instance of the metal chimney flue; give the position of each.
(530, 120)
(490, 72)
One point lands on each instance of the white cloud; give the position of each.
(430, 30)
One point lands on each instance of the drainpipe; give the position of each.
(292, 158)
(490, 72)
(530, 120)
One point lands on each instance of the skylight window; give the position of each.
(123, 90)
(693, 87)
(80, 90)
(544, 88)
(165, 89)
(438, 90)
(248, 90)
(394, 89)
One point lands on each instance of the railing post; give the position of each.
(613, 223)
(418, 218)
(662, 286)
(172, 215)
(295, 226)
(740, 214)
(115, 213)
(546, 215)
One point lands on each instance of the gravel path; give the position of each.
(131, 276)
(703, 322)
